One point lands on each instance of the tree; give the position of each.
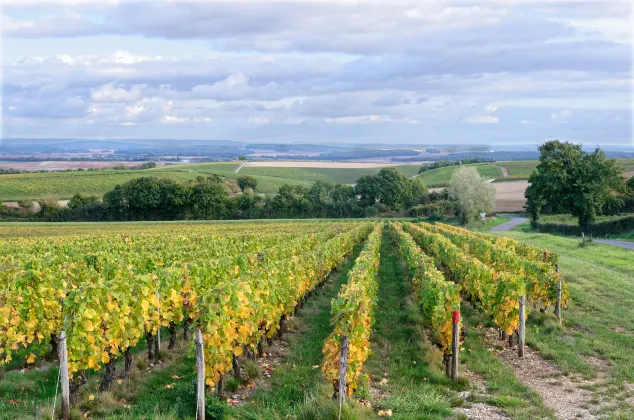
(242, 157)
(391, 188)
(246, 181)
(473, 194)
(208, 199)
(630, 184)
(569, 180)
(78, 201)
(146, 199)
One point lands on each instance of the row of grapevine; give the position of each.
(541, 278)
(108, 307)
(353, 314)
(37, 287)
(238, 312)
(522, 249)
(437, 297)
(498, 292)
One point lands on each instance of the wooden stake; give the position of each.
(157, 342)
(200, 375)
(522, 329)
(63, 369)
(219, 387)
(558, 307)
(455, 344)
(343, 368)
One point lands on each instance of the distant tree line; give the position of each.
(209, 198)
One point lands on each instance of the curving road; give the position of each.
(504, 227)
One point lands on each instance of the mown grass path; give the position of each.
(404, 368)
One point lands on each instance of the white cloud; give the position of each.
(483, 119)
(562, 115)
(113, 93)
(365, 73)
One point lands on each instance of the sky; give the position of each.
(398, 71)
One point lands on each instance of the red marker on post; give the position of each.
(455, 343)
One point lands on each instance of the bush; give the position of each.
(426, 210)
(611, 226)
(372, 211)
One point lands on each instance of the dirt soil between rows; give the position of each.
(567, 398)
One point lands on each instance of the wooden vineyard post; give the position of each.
(157, 342)
(343, 368)
(558, 307)
(455, 343)
(200, 376)
(63, 374)
(522, 328)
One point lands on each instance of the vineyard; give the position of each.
(217, 301)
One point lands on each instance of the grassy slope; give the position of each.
(520, 169)
(440, 177)
(64, 185)
(523, 169)
(599, 322)
(335, 175)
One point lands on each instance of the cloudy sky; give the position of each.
(397, 71)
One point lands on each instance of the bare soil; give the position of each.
(478, 410)
(566, 397)
(509, 196)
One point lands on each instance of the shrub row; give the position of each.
(616, 226)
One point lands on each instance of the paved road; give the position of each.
(504, 227)
(509, 225)
(620, 244)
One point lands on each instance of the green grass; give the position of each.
(568, 219)
(520, 169)
(440, 177)
(524, 169)
(599, 321)
(334, 175)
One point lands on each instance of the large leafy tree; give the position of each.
(246, 181)
(569, 180)
(472, 193)
(391, 188)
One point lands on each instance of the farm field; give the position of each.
(342, 175)
(63, 185)
(179, 274)
(509, 195)
(519, 169)
(440, 177)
